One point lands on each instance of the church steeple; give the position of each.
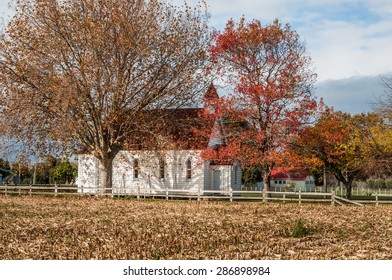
(211, 93)
(210, 99)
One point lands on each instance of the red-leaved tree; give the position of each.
(271, 81)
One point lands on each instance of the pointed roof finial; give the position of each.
(211, 92)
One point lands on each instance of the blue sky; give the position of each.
(349, 41)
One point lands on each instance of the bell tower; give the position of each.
(211, 98)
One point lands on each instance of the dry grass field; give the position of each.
(91, 228)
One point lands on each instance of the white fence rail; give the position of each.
(339, 190)
(297, 197)
(38, 189)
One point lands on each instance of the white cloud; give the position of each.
(345, 37)
(381, 7)
(263, 10)
(4, 9)
(344, 49)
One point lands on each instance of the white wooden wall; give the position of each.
(149, 181)
(303, 185)
(88, 174)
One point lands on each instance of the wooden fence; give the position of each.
(231, 195)
(39, 190)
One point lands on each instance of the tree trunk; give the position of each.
(35, 174)
(105, 175)
(346, 180)
(266, 182)
(348, 191)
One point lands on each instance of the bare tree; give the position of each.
(384, 104)
(80, 74)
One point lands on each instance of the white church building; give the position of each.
(180, 170)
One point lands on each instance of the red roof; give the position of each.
(289, 173)
(176, 130)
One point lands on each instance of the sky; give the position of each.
(349, 41)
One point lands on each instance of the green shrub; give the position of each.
(379, 184)
(300, 230)
(370, 183)
(388, 183)
(368, 193)
(157, 255)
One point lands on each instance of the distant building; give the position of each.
(291, 179)
(3, 173)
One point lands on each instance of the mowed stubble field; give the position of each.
(104, 228)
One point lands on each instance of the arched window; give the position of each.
(136, 168)
(188, 169)
(162, 168)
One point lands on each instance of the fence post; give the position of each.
(299, 197)
(19, 190)
(198, 194)
(231, 194)
(138, 192)
(263, 194)
(167, 193)
(55, 189)
(333, 198)
(376, 199)
(5, 189)
(30, 190)
(284, 198)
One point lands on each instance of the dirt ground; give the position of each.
(105, 228)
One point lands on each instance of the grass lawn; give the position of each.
(104, 228)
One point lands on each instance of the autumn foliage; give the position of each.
(78, 76)
(269, 76)
(349, 147)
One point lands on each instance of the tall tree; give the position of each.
(271, 74)
(81, 74)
